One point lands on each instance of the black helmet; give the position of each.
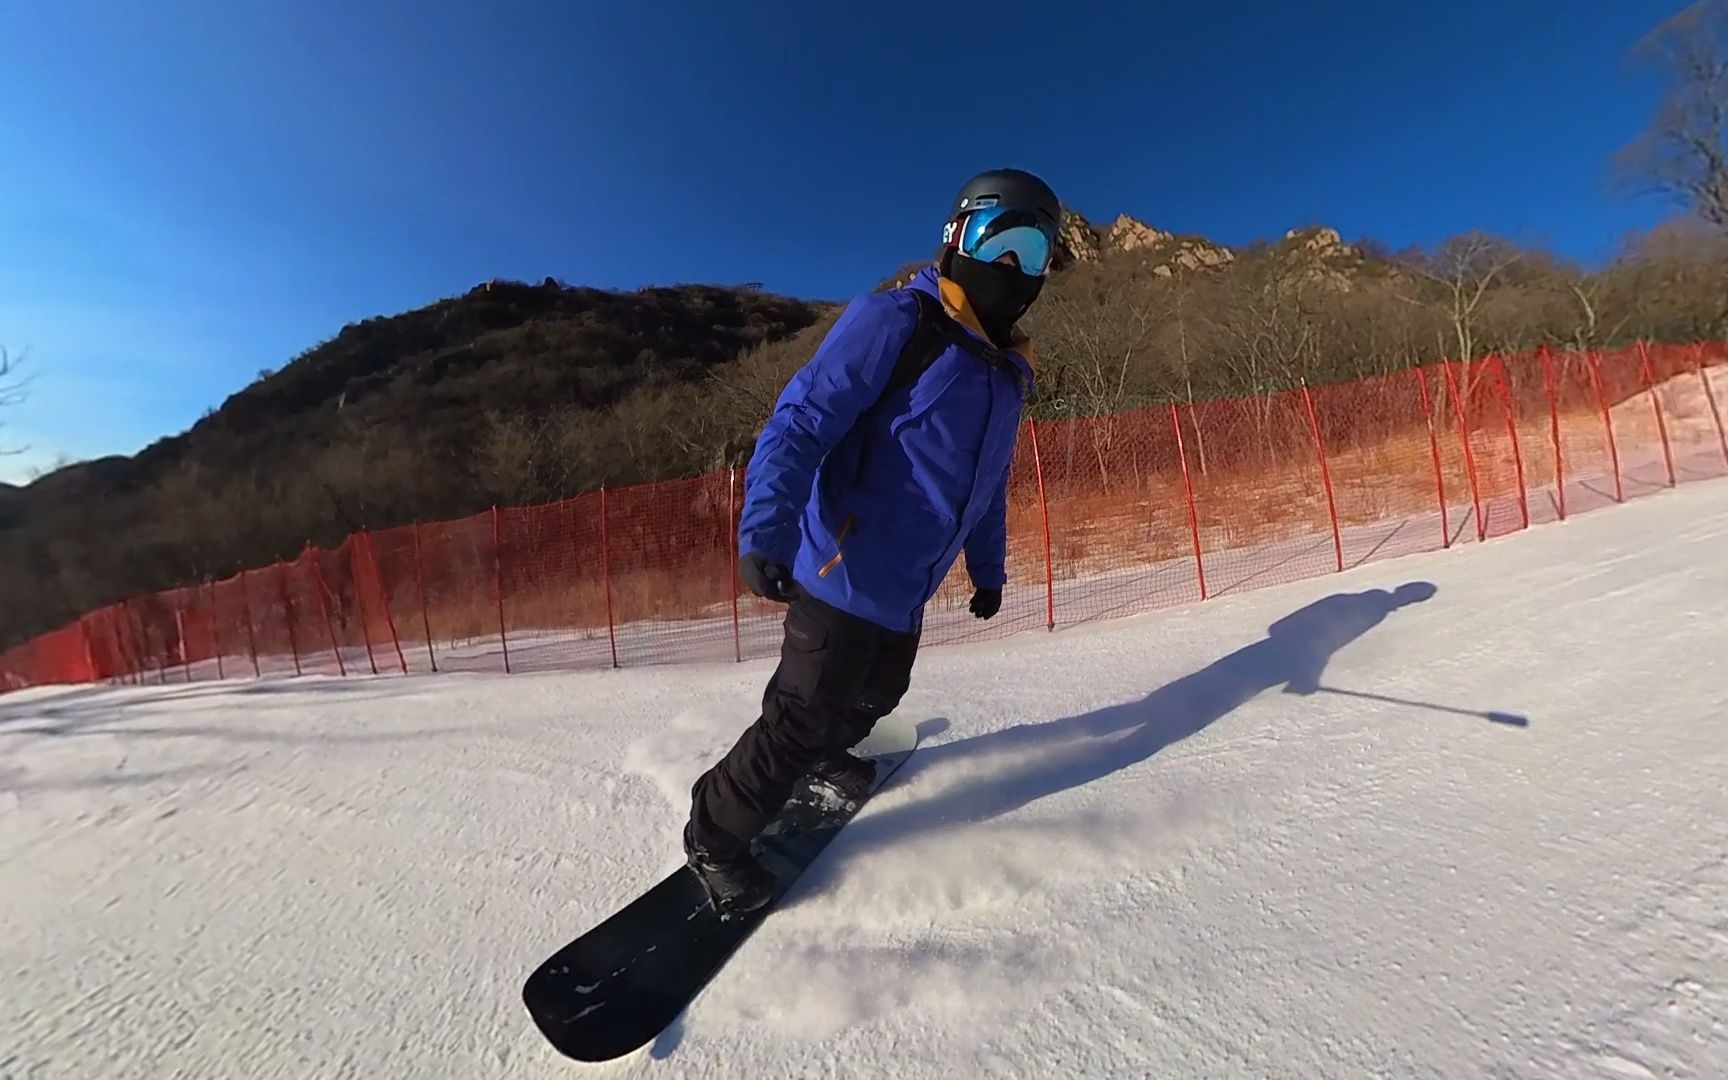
(1004, 210)
(1013, 188)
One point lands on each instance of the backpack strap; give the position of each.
(930, 336)
(934, 332)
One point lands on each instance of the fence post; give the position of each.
(181, 613)
(251, 635)
(322, 589)
(1434, 452)
(1044, 510)
(114, 644)
(118, 634)
(180, 631)
(389, 617)
(106, 642)
(731, 562)
(288, 610)
(83, 625)
(112, 650)
(126, 643)
(215, 631)
(1594, 361)
(354, 541)
(1512, 433)
(425, 617)
(1649, 377)
(86, 639)
(162, 662)
(89, 649)
(498, 585)
(1548, 384)
(1710, 397)
(1188, 494)
(1469, 457)
(140, 646)
(1325, 475)
(188, 595)
(606, 575)
(141, 643)
(160, 657)
(125, 667)
(133, 636)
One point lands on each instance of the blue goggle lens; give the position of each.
(990, 233)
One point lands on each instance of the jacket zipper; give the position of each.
(839, 538)
(989, 423)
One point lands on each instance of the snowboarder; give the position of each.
(886, 456)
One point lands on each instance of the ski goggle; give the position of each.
(995, 231)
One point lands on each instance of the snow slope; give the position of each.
(1154, 847)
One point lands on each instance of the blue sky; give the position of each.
(191, 191)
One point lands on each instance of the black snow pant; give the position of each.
(838, 675)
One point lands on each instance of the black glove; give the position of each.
(986, 602)
(767, 578)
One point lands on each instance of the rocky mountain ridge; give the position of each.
(1169, 253)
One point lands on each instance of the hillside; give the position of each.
(516, 393)
(382, 424)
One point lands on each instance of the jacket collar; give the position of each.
(959, 308)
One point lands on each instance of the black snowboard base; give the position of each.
(612, 990)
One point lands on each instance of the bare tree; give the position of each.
(1466, 267)
(1684, 151)
(748, 387)
(1669, 284)
(1595, 327)
(1098, 335)
(1100, 332)
(12, 388)
(508, 456)
(1185, 364)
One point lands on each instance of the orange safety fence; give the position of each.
(1107, 516)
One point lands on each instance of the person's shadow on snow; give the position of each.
(1080, 749)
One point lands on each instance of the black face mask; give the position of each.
(999, 293)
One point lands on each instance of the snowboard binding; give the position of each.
(734, 885)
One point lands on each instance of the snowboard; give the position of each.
(615, 988)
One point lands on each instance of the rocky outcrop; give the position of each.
(1082, 242)
(1193, 253)
(1319, 242)
(1189, 253)
(1321, 257)
(1079, 241)
(1323, 250)
(1127, 234)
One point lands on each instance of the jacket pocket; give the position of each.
(806, 632)
(839, 548)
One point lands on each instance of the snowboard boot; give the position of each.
(736, 884)
(846, 774)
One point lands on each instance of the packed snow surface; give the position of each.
(1460, 814)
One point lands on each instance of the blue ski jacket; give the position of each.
(868, 493)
